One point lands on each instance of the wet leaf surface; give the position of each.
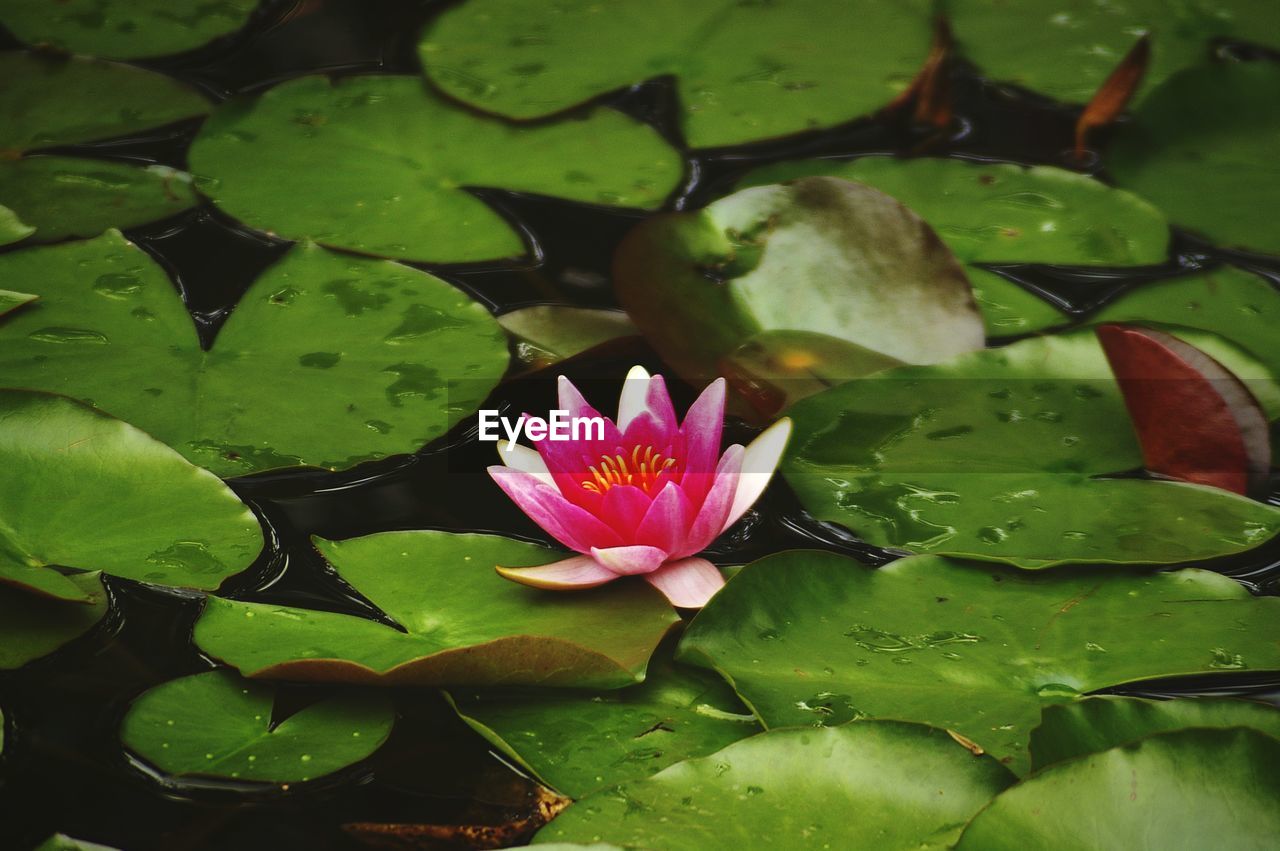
(12, 228)
(811, 638)
(744, 71)
(32, 627)
(380, 358)
(910, 787)
(12, 301)
(1185, 789)
(217, 724)
(463, 624)
(997, 455)
(82, 491)
(386, 165)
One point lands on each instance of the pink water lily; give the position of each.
(644, 499)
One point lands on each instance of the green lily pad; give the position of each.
(464, 624)
(1067, 48)
(217, 724)
(549, 333)
(996, 455)
(579, 741)
(33, 627)
(123, 29)
(1071, 730)
(83, 491)
(1186, 789)
(1005, 213)
(12, 228)
(811, 638)
(383, 163)
(62, 842)
(820, 255)
(51, 101)
(327, 360)
(64, 197)
(883, 785)
(744, 71)
(1202, 147)
(12, 301)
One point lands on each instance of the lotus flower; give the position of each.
(644, 499)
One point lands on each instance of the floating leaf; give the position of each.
(83, 491)
(811, 638)
(217, 724)
(32, 627)
(464, 624)
(882, 784)
(12, 228)
(1186, 789)
(12, 301)
(997, 455)
(577, 742)
(549, 333)
(123, 29)
(820, 255)
(1005, 213)
(385, 165)
(50, 101)
(326, 361)
(1067, 48)
(1112, 97)
(1071, 730)
(62, 842)
(1202, 149)
(744, 71)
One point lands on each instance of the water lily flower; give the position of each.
(645, 498)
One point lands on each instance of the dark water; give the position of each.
(63, 769)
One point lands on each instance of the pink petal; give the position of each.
(758, 464)
(567, 523)
(628, 561)
(665, 523)
(623, 507)
(571, 401)
(688, 583)
(710, 521)
(701, 431)
(570, 574)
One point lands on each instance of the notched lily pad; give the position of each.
(1005, 455)
(379, 358)
(123, 29)
(1096, 724)
(579, 741)
(463, 624)
(819, 255)
(1202, 148)
(1004, 213)
(548, 333)
(385, 165)
(217, 724)
(815, 639)
(744, 71)
(32, 627)
(882, 784)
(1185, 789)
(12, 301)
(82, 491)
(12, 228)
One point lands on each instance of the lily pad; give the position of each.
(80, 490)
(1202, 147)
(549, 333)
(1067, 48)
(1006, 213)
(217, 724)
(883, 785)
(49, 100)
(327, 360)
(1186, 789)
(12, 301)
(1071, 730)
(12, 228)
(64, 197)
(811, 638)
(820, 255)
(123, 29)
(997, 455)
(62, 842)
(462, 623)
(744, 71)
(579, 741)
(33, 627)
(386, 164)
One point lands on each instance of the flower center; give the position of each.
(641, 469)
